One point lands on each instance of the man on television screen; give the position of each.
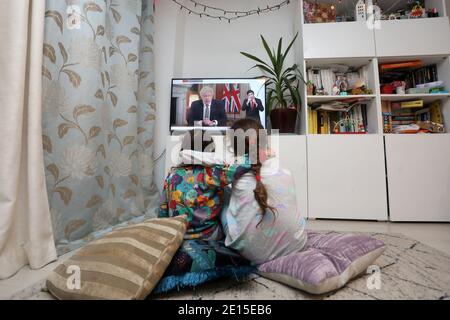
(252, 106)
(207, 112)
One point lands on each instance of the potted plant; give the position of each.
(283, 97)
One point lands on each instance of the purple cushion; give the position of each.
(327, 262)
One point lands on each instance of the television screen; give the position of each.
(214, 104)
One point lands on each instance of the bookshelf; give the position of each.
(377, 175)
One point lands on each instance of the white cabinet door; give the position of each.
(292, 151)
(429, 36)
(346, 177)
(418, 168)
(338, 40)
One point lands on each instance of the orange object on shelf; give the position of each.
(401, 65)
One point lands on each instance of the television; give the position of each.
(228, 95)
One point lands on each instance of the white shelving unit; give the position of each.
(378, 176)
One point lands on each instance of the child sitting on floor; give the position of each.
(197, 190)
(261, 219)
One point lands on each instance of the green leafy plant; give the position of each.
(283, 83)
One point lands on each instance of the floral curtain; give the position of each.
(98, 116)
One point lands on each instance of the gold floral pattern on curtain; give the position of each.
(98, 117)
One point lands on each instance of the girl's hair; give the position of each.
(260, 190)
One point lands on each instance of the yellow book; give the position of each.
(314, 119)
(412, 104)
(326, 129)
(310, 122)
(436, 113)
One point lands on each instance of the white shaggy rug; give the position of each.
(409, 270)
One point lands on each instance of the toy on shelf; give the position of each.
(416, 9)
(348, 126)
(336, 90)
(400, 87)
(387, 88)
(433, 13)
(431, 126)
(360, 90)
(341, 83)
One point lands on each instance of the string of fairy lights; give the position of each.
(204, 10)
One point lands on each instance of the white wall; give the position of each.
(190, 46)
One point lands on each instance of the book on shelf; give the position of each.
(315, 121)
(387, 116)
(422, 75)
(400, 122)
(312, 121)
(412, 104)
(400, 65)
(323, 122)
(436, 112)
(423, 115)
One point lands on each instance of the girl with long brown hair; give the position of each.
(262, 220)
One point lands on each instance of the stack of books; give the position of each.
(411, 116)
(422, 75)
(418, 79)
(387, 116)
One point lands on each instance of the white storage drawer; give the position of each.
(346, 177)
(418, 168)
(337, 40)
(416, 37)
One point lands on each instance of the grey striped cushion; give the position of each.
(125, 264)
